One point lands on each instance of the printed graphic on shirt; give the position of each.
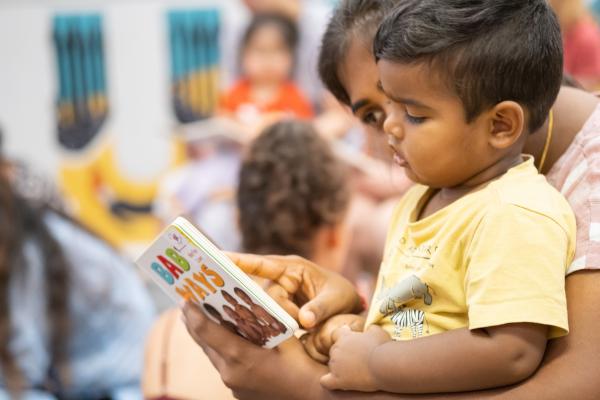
(409, 288)
(401, 283)
(408, 322)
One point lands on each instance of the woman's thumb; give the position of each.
(323, 306)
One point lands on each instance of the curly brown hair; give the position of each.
(291, 184)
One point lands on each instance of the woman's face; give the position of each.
(359, 75)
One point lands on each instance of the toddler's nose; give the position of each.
(392, 128)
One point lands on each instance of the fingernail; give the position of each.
(308, 318)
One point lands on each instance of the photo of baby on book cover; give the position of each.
(187, 266)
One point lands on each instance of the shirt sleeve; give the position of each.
(516, 266)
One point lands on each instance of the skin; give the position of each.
(266, 62)
(289, 373)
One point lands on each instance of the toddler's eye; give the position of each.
(414, 120)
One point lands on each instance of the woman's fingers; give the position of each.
(337, 296)
(258, 265)
(285, 270)
(281, 296)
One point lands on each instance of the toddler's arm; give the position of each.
(457, 360)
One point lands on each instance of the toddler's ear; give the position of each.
(507, 124)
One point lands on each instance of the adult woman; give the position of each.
(573, 147)
(73, 314)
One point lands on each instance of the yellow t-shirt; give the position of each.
(495, 256)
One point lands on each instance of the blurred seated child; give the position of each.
(581, 41)
(265, 91)
(73, 314)
(293, 198)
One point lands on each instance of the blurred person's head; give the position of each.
(229, 298)
(213, 312)
(243, 295)
(268, 49)
(289, 8)
(293, 195)
(231, 313)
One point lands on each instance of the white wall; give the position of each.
(137, 69)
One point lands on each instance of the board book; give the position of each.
(188, 266)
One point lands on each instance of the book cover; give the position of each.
(188, 267)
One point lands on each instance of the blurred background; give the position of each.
(94, 95)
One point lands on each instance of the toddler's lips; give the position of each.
(398, 159)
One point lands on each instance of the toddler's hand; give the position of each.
(349, 359)
(318, 342)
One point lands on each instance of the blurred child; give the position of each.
(581, 41)
(265, 90)
(472, 282)
(293, 198)
(73, 313)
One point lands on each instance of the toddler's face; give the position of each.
(266, 58)
(427, 128)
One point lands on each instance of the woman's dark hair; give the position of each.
(486, 51)
(291, 184)
(351, 19)
(22, 221)
(286, 26)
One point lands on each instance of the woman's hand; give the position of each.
(309, 293)
(253, 372)
(318, 342)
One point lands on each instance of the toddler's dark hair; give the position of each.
(486, 51)
(291, 184)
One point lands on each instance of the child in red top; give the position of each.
(581, 42)
(265, 90)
